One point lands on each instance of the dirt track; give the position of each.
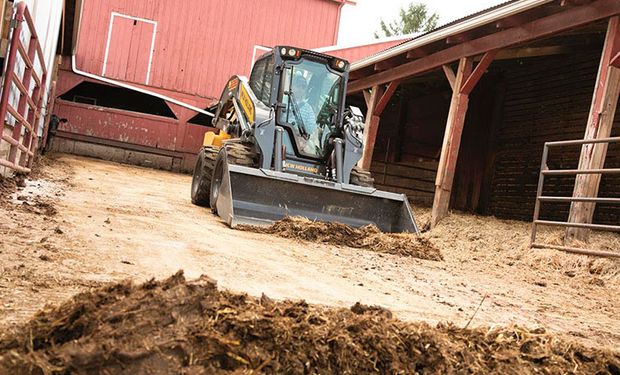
(115, 222)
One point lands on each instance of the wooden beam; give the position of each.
(512, 21)
(475, 76)
(600, 123)
(384, 65)
(416, 53)
(451, 143)
(357, 74)
(366, 97)
(540, 28)
(449, 75)
(519, 53)
(615, 61)
(385, 98)
(458, 38)
(574, 2)
(371, 126)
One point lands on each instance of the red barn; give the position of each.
(123, 51)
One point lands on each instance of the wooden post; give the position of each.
(464, 82)
(451, 143)
(600, 122)
(377, 102)
(370, 128)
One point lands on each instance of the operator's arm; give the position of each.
(314, 130)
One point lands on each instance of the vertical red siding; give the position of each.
(129, 50)
(199, 43)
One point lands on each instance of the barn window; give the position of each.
(202, 119)
(118, 98)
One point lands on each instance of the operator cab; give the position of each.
(307, 91)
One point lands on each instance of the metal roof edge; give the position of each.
(481, 19)
(370, 43)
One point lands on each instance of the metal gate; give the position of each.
(29, 94)
(545, 171)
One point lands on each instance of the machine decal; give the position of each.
(233, 83)
(300, 167)
(246, 103)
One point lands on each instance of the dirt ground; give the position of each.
(86, 222)
(179, 327)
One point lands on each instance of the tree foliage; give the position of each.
(415, 18)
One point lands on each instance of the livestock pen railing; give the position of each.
(540, 198)
(29, 94)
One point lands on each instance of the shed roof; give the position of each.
(502, 26)
(357, 52)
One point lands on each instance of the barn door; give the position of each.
(129, 48)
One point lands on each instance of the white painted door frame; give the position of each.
(107, 45)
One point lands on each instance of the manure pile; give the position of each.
(180, 327)
(367, 237)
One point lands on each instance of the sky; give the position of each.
(359, 22)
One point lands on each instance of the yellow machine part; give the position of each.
(212, 139)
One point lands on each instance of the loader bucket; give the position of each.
(260, 197)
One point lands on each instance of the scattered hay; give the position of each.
(179, 327)
(367, 237)
(464, 236)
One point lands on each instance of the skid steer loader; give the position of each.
(287, 146)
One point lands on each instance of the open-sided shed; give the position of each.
(458, 117)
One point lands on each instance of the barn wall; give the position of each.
(546, 99)
(198, 44)
(409, 140)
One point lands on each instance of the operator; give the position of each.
(306, 112)
(312, 140)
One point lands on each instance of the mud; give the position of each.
(41, 163)
(37, 206)
(8, 186)
(367, 237)
(180, 327)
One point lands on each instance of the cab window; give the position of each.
(310, 94)
(260, 79)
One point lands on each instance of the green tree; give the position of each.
(413, 19)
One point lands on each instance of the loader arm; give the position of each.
(253, 120)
